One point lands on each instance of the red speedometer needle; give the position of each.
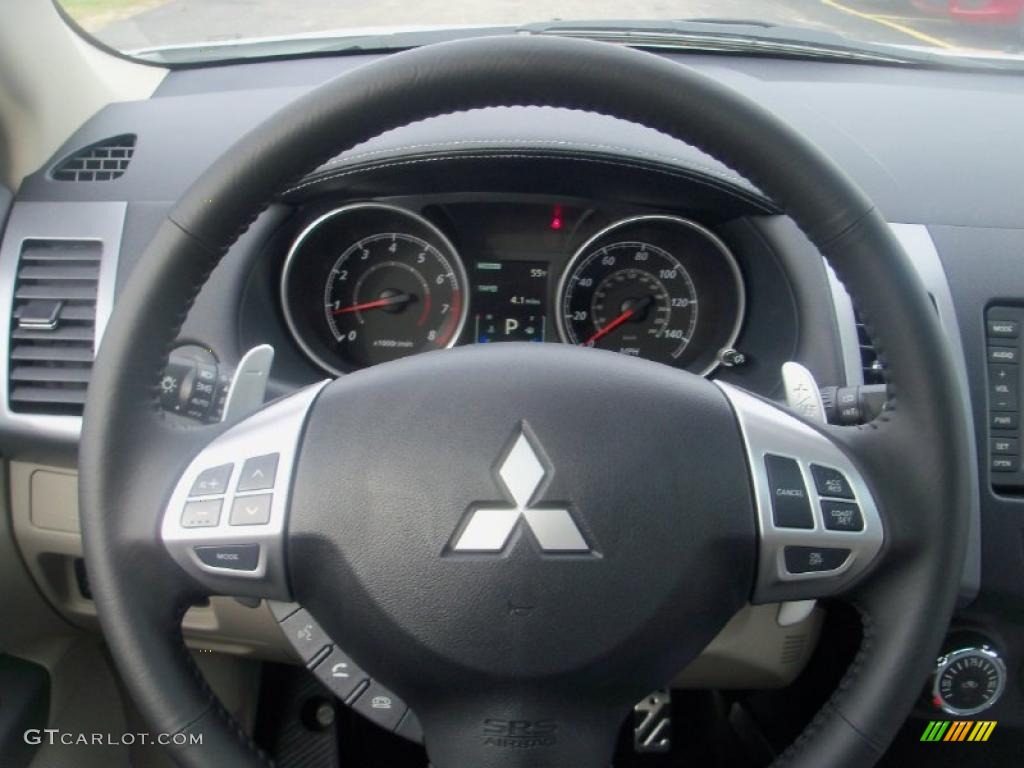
(388, 301)
(610, 326)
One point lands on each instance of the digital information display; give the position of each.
(509, 300)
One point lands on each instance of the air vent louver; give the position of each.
(871, 366)
(53, 326)
(103, 161)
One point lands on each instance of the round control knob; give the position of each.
(968, 681)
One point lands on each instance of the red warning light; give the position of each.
(556, 218)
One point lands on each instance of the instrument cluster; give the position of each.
(370, 282)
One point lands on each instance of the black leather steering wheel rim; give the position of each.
(130, 454)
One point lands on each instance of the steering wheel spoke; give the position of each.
(819, 528)
(226, 519)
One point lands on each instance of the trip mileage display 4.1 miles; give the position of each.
(509, 300)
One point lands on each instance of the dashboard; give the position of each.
(368, 282)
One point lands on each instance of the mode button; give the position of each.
(236, 557)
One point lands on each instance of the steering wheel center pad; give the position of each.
(568, 517)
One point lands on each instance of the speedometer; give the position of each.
(391, 285)
(657, 287)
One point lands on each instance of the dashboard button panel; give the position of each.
(1003, 339)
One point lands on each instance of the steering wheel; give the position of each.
(523, 540)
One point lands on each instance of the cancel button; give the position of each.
(790, 505)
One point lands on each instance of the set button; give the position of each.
(1004, 445)
(841, 516)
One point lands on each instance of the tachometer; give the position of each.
(657, 287)
(391, 285)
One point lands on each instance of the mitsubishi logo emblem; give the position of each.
(489, 528)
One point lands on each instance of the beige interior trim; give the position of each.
(752, 651)
(44, 516)
(51, 82)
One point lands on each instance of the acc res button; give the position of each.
(235, 557)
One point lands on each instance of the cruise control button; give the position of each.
(1003, 355)
(305, 634)
(339, 673)
(831, 482)
(381, 706)
(790, 506)
(814, 559)
(201, 514)
(1005, 463)
(1004, 445)
(259, 473)
(841, 516)
(1005, 421)
(212, 482)
(1004, 329)
(237, 557)
(251, 510)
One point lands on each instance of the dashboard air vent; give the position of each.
(103, 161)
(53, 326)
(869, 362)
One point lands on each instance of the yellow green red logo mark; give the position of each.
(958, 730)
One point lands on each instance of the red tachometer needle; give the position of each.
(610, 327)
(388, 301)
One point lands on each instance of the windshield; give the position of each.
(188, 31)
